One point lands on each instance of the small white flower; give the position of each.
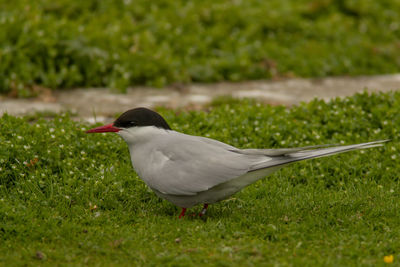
(53, 136)
(51, 130)
(83, 152)
(61, 146)
(393, 157)
(19, 137)
(27, 146)
(391, 191)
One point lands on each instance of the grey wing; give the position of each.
(195, 164)
(274, 152)
(188, 164)
(280, 157)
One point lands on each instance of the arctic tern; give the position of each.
(188, 170)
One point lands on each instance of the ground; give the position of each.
(68, 198)
(101, 105)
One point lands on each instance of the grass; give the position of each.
(71, 43)
(68, 198)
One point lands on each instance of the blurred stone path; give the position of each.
(103, 104)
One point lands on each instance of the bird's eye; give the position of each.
(132, 123)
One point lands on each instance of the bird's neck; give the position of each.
(141, 135)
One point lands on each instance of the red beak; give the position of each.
(104, 129)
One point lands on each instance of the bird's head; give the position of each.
(131, 120)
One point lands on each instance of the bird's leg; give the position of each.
(182, 213)
(203, 211)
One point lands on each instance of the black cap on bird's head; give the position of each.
(134, 118)
(141, 117)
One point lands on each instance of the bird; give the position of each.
(188, 170)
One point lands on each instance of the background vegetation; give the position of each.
(119, 43)
(71, 198)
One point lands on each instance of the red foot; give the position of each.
(203, 211)
(182, 213)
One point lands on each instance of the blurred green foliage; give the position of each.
(119, 43)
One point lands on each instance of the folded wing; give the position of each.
(198, 164)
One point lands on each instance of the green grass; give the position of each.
(70, 43)
(68, 198)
